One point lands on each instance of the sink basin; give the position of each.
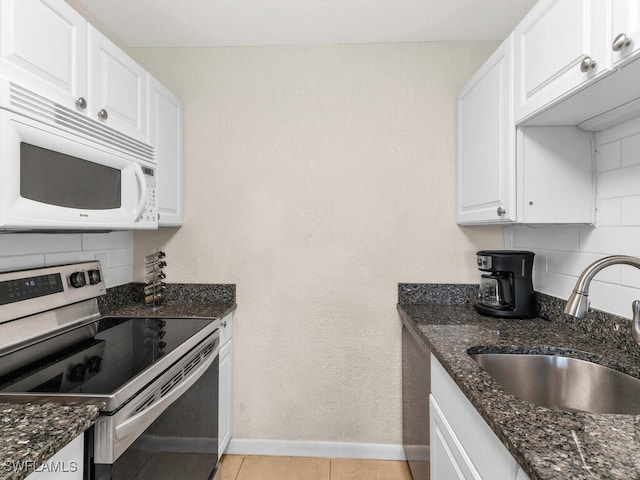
(563, 383)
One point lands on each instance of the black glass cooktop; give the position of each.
(96, 358)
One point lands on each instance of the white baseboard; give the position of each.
(289, 448)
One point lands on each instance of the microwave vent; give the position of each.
(32, 105)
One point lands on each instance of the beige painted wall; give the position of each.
(316, 179)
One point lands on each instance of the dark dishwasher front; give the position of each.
(416, 386)
(181, 443)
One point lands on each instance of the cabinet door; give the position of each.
(43, 48)
(486, 143)
(448, 458)
(66, 464)
(118, 87)
(551, 43)
(225, 411)
(165, 133)
(556, 181)
(480, 449)
(625, 19)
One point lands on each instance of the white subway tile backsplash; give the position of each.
(618, 132)
(617, 231)
(554, 284)
(616, 299)
(20, 262)
(12, 244)
(630, 277)
(552, 238)
(119, 257)
(630, 211)
(118, 275)
(630, 150)
(608, 157)
(28, 250)
(608, 184)
(609, 212)
(610, 240)
(106, 241)
(573, 264)
(68, 257)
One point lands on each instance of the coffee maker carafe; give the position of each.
(506, 287)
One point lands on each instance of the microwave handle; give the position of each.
(142, 185)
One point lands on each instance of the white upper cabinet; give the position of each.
(555, 175)
(50, 49)
(43, 48)
(118, 87)
(165, 133)
(486, 143)
(560, 46)
(625, 30)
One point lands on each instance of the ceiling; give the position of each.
(195, 23)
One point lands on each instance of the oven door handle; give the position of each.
(146, 416)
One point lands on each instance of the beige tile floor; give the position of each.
(253, 467)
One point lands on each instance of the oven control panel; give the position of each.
(37, 290)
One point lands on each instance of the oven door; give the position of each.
(168, 431)
(53, 179)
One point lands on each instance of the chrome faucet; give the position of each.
(578, 303)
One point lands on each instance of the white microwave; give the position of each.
(60, 170)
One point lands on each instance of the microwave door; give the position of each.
(57, 180)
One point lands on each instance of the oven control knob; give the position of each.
(77, 279)
(94, 277)
(77, 373)
(93, 364)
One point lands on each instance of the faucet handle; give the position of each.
(635, 329)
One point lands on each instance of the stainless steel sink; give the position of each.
(563, 383)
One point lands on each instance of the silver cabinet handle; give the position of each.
(224, 324)
(103, 114)
(587, 64)
(81, 103)
(501, 211)
(620, 42)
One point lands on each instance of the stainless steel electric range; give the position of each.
(155, 380)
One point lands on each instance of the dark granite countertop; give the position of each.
(548, 444)
(31, 434)
(181, 300)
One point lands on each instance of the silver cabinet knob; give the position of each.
(81, 103)
(587, 64)
(620, 42)
(103, 114)
(224, 324)
(501, 211)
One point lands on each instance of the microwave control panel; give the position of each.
(150, 212)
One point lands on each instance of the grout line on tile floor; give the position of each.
(240, 467)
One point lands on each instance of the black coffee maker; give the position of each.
(506, 288)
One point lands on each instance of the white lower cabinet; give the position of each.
(225, 398)
(463, 446)
(67, 464)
